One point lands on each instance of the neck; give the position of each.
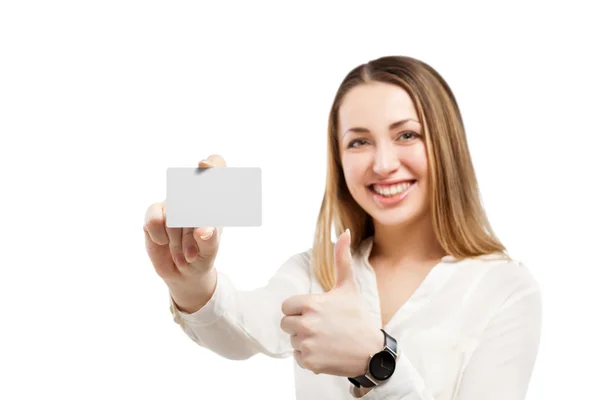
(410, 244)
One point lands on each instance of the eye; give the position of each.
(410, 134)
(355, 142)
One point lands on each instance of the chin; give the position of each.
(399, 219)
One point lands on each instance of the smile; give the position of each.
(391, 194)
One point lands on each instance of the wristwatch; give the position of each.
(381, 365)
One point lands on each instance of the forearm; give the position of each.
(239, 323)
(206, 310)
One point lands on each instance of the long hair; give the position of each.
(459, 219)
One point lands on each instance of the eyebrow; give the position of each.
(394, 125)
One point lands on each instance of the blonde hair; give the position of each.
(459, 219)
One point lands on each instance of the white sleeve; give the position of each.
(238, 324)
(500, 367)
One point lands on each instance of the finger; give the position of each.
(207, 240)
(295, 342)
(217, 160)
(188, 244)
(174, 235)
(204, 234)
(343, 260)
(214, 160)
(299, 359)
(175, 246)
(160, 256)
(290, 324)
(296, 305)
(154, 224)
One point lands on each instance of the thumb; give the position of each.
(343, 260)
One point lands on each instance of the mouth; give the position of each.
(387, 194)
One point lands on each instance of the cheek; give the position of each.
(417, 162)
(353, 177)
(354, 173)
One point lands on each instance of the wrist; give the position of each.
(372, 345)
(191, 293)
(381, 364)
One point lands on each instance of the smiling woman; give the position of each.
(417, 299)
(396, 119)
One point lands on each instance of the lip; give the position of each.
(388, 201)
(392, 181)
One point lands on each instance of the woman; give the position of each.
(417, 299)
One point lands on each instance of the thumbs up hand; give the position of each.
(333, 333)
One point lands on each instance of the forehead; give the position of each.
(375, 105)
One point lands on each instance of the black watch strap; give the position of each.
(367, 381)
(361, 381)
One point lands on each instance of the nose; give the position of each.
(387, 160)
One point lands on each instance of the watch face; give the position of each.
(382, 365)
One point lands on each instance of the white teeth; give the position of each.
(391, 190)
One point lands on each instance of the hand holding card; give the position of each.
(180, 252)
(183, 232)
(184, 257)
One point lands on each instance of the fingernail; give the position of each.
(207, 235)
(206, 162)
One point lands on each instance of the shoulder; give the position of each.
(505, 278)
(486, 289)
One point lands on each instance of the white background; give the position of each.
(98, 99)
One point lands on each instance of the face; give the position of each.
(383, 153)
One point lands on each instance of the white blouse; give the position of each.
(470, 331)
